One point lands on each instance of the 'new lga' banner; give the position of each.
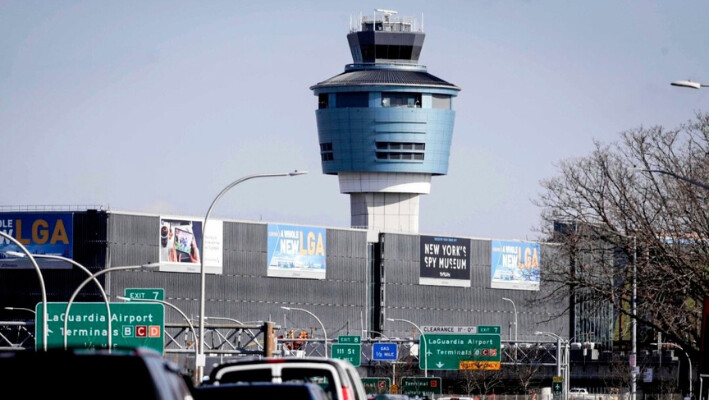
(41, 233)
(515, 265)
(296, 252)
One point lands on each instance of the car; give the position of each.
(83, 374)
(454, 398)
(261, 390)
(339, 378)
(578, 394)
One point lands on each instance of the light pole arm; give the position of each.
(689, 363)
(514, 308)
(81, 286)
(680, 177)
(689, 84)
(425, 356)
(324, 332)
(316, 318)
(43, 289)
(100, 289)
(200, 360)
(174, 307)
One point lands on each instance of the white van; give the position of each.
(339, 378)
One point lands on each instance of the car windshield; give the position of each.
(321, 377)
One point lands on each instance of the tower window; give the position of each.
(442, 101)
(396, 99)
(352, 99)
(400, 151)
(393, 52)
(383, 156)
(323, 100)
(326, 153)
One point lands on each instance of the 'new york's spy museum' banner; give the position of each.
(444, 261)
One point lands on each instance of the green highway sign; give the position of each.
(489, 329)
(454, 352)
(420, 386)
(349, 352)
(349, 339)
(132, 325)
(376, 385)
(144, 293)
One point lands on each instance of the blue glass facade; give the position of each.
(357, 135)
(385, 112)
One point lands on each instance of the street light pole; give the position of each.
(87, 280)
(634, 322)
(314, 316)
(562, 357)
(633, 318)
(689, 361)
(515, 311)
(174, 307)
(425, 350)
(201, 361)
(86, 270)
(41, 284)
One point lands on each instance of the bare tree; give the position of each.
(480, 378)
(608, 213)
(529, 372)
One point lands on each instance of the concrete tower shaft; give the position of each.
(385, 124)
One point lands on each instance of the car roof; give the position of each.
(265, 390)
(243, 361)
(82, 373)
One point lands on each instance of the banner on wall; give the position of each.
(179, 240)
(515, 265)
(48, 233)
(296, 252)
(444, 261)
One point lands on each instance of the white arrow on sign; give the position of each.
(440, 365)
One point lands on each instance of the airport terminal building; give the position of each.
(352, 279)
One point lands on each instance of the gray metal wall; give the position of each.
(244, 292)
(366, 282)
(479, 304)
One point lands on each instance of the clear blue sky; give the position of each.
(155, 106)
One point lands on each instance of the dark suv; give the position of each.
(90, 374)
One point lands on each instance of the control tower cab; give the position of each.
(385, 124)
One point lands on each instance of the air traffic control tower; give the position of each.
(385, 124)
